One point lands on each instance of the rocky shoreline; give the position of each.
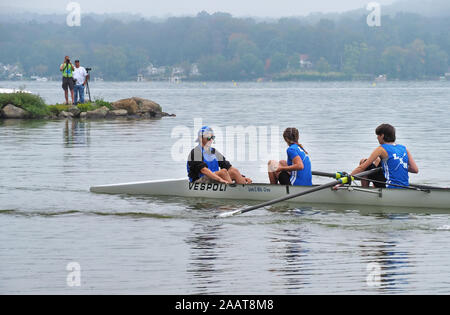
(129, 108)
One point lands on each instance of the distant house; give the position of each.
(304, 62)
(381, 78)
(177, 71)
(38, 78)
(194, 70)
(151, 70)
(10, 72)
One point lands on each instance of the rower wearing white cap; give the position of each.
(207, 165)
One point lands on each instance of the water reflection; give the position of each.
(392, 264)
(204, 254)
(76, 132)
(23, 123)
(291, 257)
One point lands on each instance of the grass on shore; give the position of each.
(36, 106)
(58, 108)
(33, 104)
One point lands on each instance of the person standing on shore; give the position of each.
(67, 69)
(81, 76)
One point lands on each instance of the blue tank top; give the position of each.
(211, 160)
(395, 167)
(300, 177)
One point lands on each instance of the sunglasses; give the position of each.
(210, 138)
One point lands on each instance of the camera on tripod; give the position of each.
(88, 90)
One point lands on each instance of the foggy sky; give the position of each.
(263, 8)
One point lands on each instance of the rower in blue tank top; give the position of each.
(395, 166)
(296, 170)
(396, 160)
(207, 165)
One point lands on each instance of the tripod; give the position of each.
(88, 91)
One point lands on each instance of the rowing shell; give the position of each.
(434, 198)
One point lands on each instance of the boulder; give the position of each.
(75, 111)
(14, 112)
(83, 115)
(64, 114)
(127, 104)
(117, 113)
(135, 105)
(147, 105)
(98, 113)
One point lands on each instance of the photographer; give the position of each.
(81, 76)
(67, 69)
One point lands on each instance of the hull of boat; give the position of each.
(436, 198)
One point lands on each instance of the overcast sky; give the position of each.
(263, 8)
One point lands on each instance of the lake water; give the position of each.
(124, 244)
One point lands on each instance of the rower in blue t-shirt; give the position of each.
(296, 170)
(302, 177)
(396, 160)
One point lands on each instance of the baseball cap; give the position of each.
(205, 130)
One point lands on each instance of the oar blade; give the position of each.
(229, 214)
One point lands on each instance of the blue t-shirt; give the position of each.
(395, 167)
(300, 177)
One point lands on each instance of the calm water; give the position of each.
(123, 244)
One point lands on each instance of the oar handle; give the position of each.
(338, 175)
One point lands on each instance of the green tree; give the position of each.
(322, 65)
(394, 59)
(436, 60)
(278, 62)
(251, 66)
(351, 57)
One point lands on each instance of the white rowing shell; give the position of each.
(435, 198)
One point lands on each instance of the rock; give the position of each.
(13, 112)
(119, 112)
(75, 111)
(64, 114)
(147, 105)
(83, 115)
(135, 105)
(98, 113)
(127, 104)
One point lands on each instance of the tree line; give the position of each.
(406, 46)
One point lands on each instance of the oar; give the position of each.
(343, 180)
(339, 175)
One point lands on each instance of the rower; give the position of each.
(396, 160)
(296, 170)
(378, 180)
(207, 165)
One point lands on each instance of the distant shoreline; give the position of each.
(244, 81)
